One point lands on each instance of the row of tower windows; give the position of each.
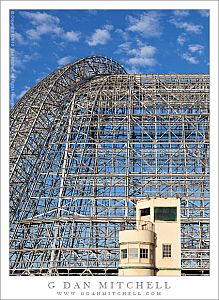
(144, 253)
(161, 213)
(133, 253)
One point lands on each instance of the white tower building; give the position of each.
(154, 248)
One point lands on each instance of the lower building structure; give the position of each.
(154, 247)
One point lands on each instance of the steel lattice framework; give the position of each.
(86, 143)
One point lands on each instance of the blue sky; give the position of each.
(143, 41)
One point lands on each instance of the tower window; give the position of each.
(124, 253)
(133, 253)
(143, 253)
(166, 250)
(165, 213)
(145, 212)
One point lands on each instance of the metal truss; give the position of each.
(86, 143)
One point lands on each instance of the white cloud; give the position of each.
(123, 34)
(108, 27)
(19, 38)
(60, 45)
(191, 59)
(72, 36)
(147, 51)
(20, 59)
(40, 18)
(141, 56)
(147, 24)
(196, 48)
(64, 60)
(144, 52)
(29, 57)
(181, 39)
(133, 70)
(189, 27)
(181, 13)
(100, 36)
(125, 46)
(44, 23)
(204, 13)
(142, 61)
(33, 34)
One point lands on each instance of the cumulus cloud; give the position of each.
(189, 27)
(19, 38)
(125, 46)
(133, 70)
(181, 13)
(147, 24)
(20, 59)
(108, 27)
(143, 55)
(64, 60)
(191, 55)
(191, 59)
(181, 40)
(204, 13)
(40, 18)
(144, 51)
(196, 48)
(72, 36)
(124, 34)
(100, 36)
(44, 23)
(142, 61)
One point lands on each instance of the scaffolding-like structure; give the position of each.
(86, 143)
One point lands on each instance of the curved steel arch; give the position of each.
(86, 144)
(46, 101)
(80, 70)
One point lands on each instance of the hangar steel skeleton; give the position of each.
(86, 143)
